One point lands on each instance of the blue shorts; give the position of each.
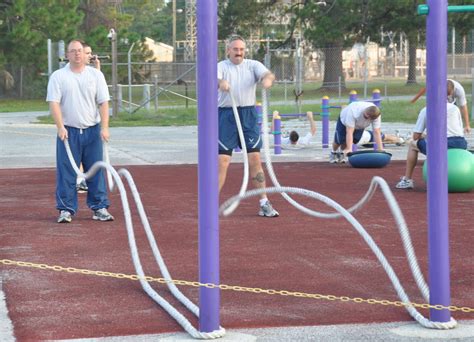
(453, 142)
(229, 135)
(340, 134)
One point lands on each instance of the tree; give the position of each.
(400, 17)
(28, 24)
(332, 27)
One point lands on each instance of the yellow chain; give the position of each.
(234, 288)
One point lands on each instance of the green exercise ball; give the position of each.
(460, 170)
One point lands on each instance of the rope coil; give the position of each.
(347, 214)
(116, 176)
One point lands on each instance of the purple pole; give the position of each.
(208, 197)
(376, 101)
(437, 193)
(258, 109)
(352, 96)
(277, 134)
(376, 98)
(325, 120)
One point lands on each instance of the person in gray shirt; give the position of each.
(74, 94)
(240, 76)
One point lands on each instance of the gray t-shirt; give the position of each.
(459, 95)
(454, 122)
(242, 78)
(353, 116)
(78, 94)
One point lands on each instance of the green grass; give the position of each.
(14, 105)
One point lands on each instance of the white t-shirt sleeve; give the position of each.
(459, 95)
(306, 139)
(420, 125)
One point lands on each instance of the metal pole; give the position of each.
(437, 190)
(208, 194)
(50, 58)
(453, 47)
(174, 30)
(129, 62)
(113, 38)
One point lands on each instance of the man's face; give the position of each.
(75, 53)
(236, 51)
(88, 54)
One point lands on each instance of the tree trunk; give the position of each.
(333, 68)
(411, 60)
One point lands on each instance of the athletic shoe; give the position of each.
(64, 216)
(341, 158)
(405, 183)
(82, 187)
(102, 215)
(267, 210)
(400, 142)
(333, 157)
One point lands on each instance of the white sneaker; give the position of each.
(333, 157)
(102, 215)
(64, 217)
(405, 183)
(267, 210)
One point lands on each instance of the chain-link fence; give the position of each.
(299, 70)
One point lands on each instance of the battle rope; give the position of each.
(245, 178)
(187, 326)
(340, 211)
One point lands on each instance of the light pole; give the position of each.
(179, 10)
(112, 36)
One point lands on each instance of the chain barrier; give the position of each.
(236, 288)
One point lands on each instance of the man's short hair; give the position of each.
(450, 87)
(294, 136)
(373, 112)
(233, 38)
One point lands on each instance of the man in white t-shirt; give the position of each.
(239, 76)
(457, 95)
(79, 104)
(455, 134)
(294, 139)
(368, 140)
(352, 122)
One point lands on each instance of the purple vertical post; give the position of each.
(325, 120)
(208, 206)
(352, 96)
(258, 109)
(437, 190)
(277, 134)
(376, 98)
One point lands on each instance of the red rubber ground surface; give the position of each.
(293, 252)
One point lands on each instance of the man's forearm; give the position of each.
(104, 114)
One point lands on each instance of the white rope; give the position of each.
(185, 324)
(340, 211)
(245, 178)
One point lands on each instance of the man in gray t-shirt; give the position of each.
(74, 94)
(239, 76)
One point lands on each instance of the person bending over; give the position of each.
(455, 134)
(350, 126)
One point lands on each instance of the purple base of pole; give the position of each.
(277, 136)
(325, 121)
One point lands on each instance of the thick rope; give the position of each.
(245, 177)
(340, 211)
(185, 324)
